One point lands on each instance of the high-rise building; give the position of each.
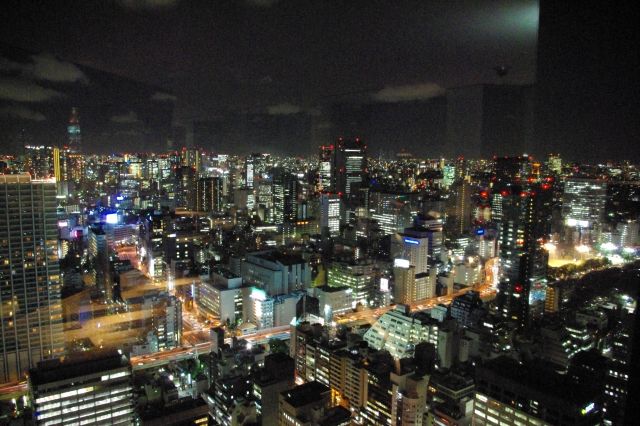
(276, 377)
(73, 131)
(415, 248)
(30, 303)
(519, 394)
(58, 161)
(350, 166)
(360, 277)
(409, 401)
(164, 316)
(583, 204)
(286, 193)
(465, 308)
(209, 194)
(325, 168)
(39, 161)
(75, 166)
(391, 210)
(250, 169)
(185, 187)
(448, 175)
(191, 157)
(404, 277)
(330, 213)
(88, 388)
(554, 164)
(523, 220)
(461, 214)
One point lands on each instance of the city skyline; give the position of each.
(337, 213)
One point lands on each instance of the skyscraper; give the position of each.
(460, 208)
(251, 166)
(286, 191)
(185, 189)
(325, 168)
(583, 204)
(554, 164)
(30, 304)
(39, 161)
(524, 206)
(330, 208)
(191, 158)
(73, 131)
(349, 166)
(209, 194)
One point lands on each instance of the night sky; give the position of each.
(295, 61)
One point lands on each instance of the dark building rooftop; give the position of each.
(305, 394)
(224, 272)
(76, 365)
(330, 289)
(535, 380)
(277, 256)
(335, 416)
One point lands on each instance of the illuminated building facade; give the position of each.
(164, 315)
(410, 398)
(218, 301)
(209, 194)
(330, 214)
(275, 272)
(30, 303)
(344, 165)
(185, 187)
(398, 332)
(39, 161)
(333, 300)
(583, 204)
(349, 166)
(87, 388)
(360, 277)
(512, 394)
(276, 377)
(406, 288)
(554, 164)
(325, 168)
(310, 404)
(524, 221)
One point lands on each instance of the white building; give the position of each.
(583, 204)
(398, 332)
(333, 300)
(330, 213)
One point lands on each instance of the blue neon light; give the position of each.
(411, 241)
